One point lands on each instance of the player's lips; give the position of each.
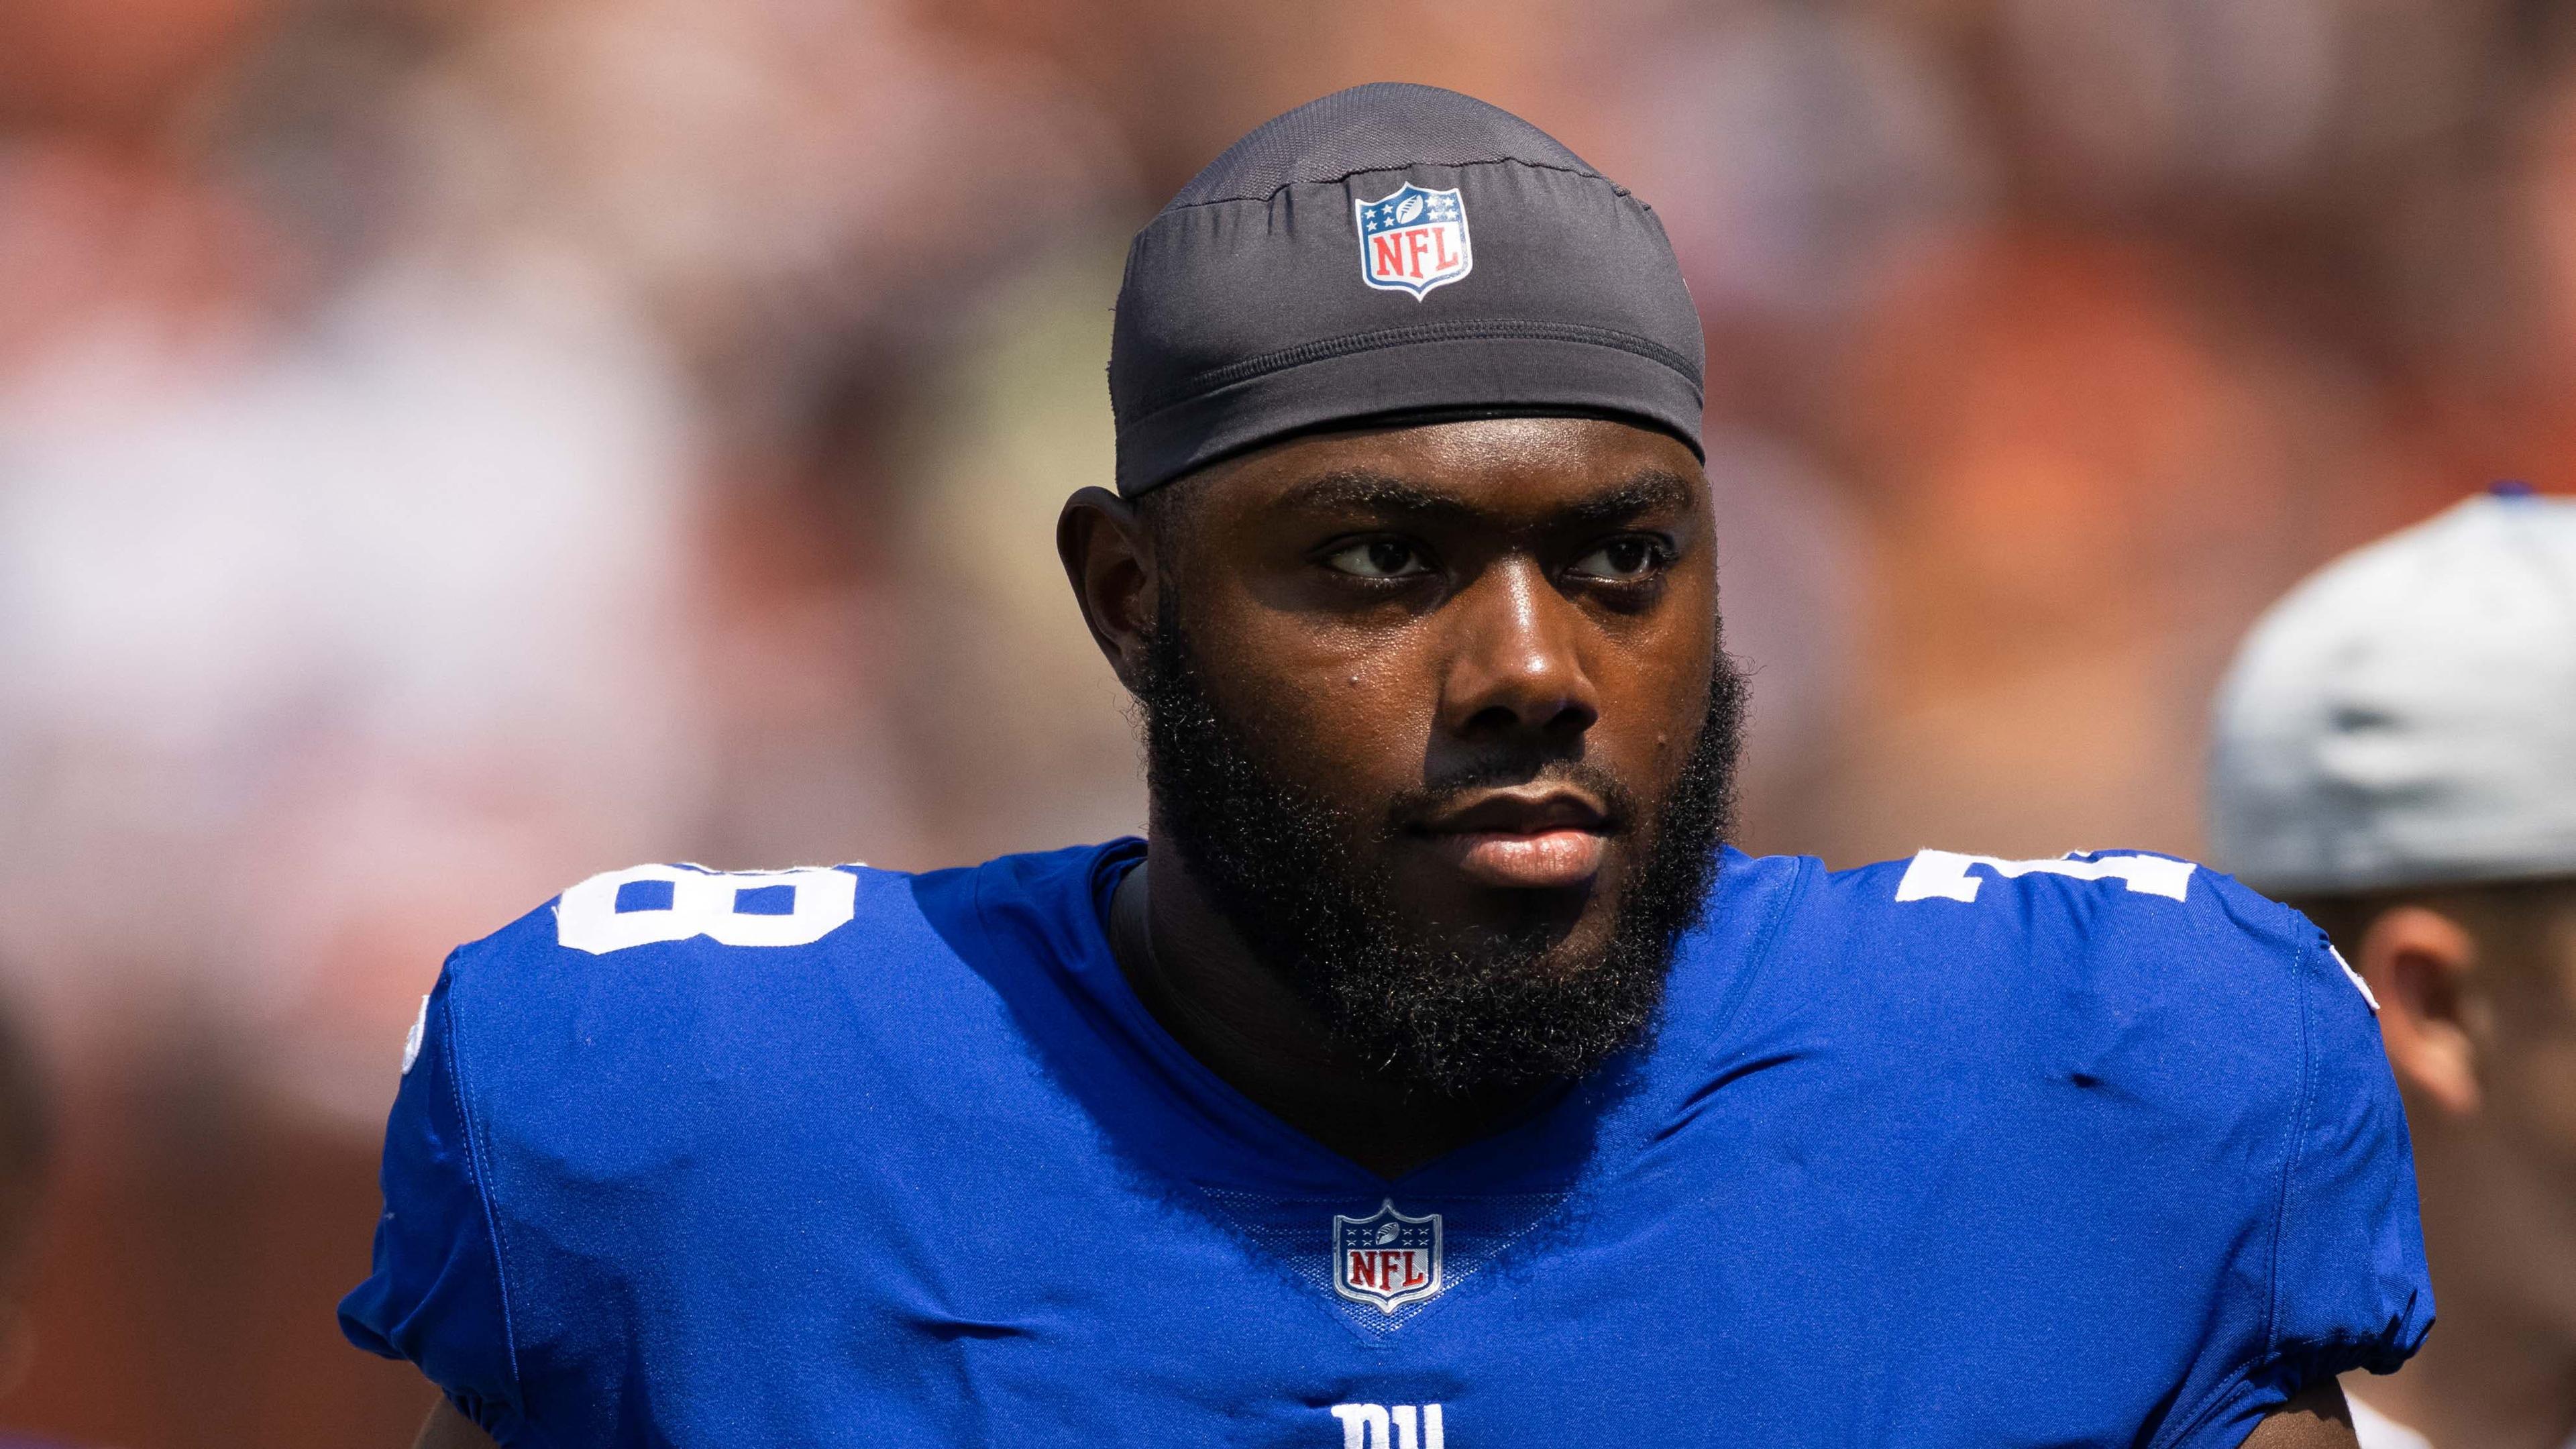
(1550, 838)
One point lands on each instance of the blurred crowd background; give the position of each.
(451, 447)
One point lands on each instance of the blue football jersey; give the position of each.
(1950, 1151)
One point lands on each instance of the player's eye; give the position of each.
(1378, 558)
(1623, 560)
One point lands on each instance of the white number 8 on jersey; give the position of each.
(675, 902)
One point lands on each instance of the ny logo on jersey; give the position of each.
(1413, 240)
(1386, 1258)
(1391, 1426)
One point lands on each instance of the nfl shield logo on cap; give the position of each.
(1414, 240)
(1386, 1258)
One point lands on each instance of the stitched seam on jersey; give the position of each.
(1754, 966)
(2182, 1426)
(2207, 1405)
(1758, 958)
(478, 1157)
(2300, 972)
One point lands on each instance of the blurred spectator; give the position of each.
(338, 585)
(2394, 753)
(391, 575)
(1026, 739)
(1802, 158)
(2130, 96)
(388, 396)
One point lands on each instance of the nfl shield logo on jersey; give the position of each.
(1386, 1258)
(1414, 240)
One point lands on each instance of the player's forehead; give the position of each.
(1500, 472)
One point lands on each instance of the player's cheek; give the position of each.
(1346, 712)
(1359, 742)
(1655, 690)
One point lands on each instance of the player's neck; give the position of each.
(1192, 970)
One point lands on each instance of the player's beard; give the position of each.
(1513, 1006)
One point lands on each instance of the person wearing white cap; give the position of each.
(2395, 753)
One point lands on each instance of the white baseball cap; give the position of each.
(2407, 716)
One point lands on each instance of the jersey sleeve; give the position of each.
(2346, 1285)
(436, 1296)
(2350, 1289)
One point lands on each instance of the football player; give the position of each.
(1431, 1076)
(2396, 751)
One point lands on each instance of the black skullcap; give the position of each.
(1254, 308)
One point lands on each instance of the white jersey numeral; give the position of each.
(2354, 977)
(1944, 875)
(412, 1039)
(675, 902)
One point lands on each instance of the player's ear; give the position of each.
(2419, 963)
(1108, 552)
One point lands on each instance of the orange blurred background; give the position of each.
(449, 448)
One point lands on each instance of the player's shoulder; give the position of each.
(677, 969)
(647, 1015)
(659, 928)
(2088, 902)
(2179, 966)
(682, 963)
(2089, 1030)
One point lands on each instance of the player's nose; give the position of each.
(1515, 658)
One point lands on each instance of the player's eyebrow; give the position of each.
(1651, 491)
(1358, 489)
